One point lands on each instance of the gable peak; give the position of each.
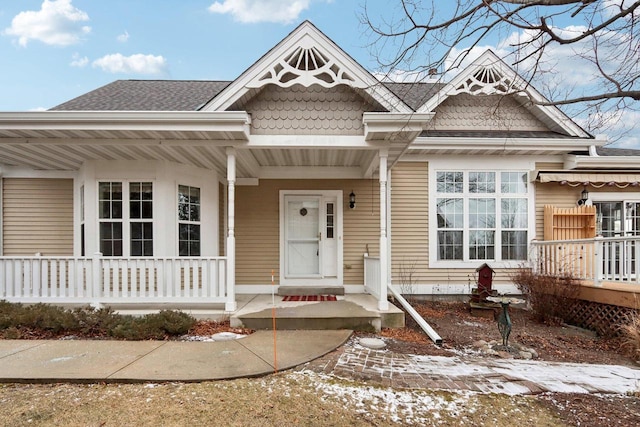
(306, 59)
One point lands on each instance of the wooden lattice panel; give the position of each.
(605, 319)
(569, 224)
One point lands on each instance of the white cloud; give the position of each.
(124, 37)
(79, 62)
(619, 125)
(57, 23)
(37, 109)
(134, 64)
(253, 11)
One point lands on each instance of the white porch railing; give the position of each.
(372, 282)
(611, 259)
(106, 280)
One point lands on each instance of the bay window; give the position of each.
(481, 215)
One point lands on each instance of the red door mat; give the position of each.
(309, 298)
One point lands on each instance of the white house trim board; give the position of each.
(398, 126)
(324, 196)
(232, 122)
(551, 145)
(296, 60)
(503, 80)
(572, 161)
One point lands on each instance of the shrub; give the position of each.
(96, 322)
(630, 331)
(548, 296)
(46, 318)
(43, 321)
(171, 322)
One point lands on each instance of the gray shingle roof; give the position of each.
(414, 94)
(606, 151)
(147, 95)
(190, 95)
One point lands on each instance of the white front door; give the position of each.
(310, 238)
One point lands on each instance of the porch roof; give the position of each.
(64, 140)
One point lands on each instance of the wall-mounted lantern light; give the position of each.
(584, 196)
(352, 200)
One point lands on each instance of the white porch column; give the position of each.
(231, 305)
(383, 304)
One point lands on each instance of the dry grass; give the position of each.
(406, 334)
(285, 399)
(631, 335)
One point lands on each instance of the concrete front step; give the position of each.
(310, 290)
(356, 312)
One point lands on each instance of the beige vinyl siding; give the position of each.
(258, 226)
(409, 219)
(410, 232)
(37, 216)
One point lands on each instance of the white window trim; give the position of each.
(614, 197)
(497, 165)
(126, 217)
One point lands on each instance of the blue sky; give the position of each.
(55, 50)
(176, 40)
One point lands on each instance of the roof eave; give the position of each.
(552, 145)
(574, 161)
(236, 122)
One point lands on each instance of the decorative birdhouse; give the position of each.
(485, 282)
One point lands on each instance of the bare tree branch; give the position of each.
(601, 37)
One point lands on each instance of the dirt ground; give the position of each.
(459, 330)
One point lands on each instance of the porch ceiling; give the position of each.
(48, 142)
(69, 155)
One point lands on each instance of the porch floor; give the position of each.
(255, 311)
(351, 311)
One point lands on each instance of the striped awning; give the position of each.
(595, 179)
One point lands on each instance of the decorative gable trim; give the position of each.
(485, 81)
(489, 75)
(306, 66)
(306, 57)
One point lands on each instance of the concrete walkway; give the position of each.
(154, 361)
(142, 361)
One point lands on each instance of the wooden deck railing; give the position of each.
(108, 280)
(610, 259)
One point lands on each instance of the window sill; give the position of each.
(477, 263)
